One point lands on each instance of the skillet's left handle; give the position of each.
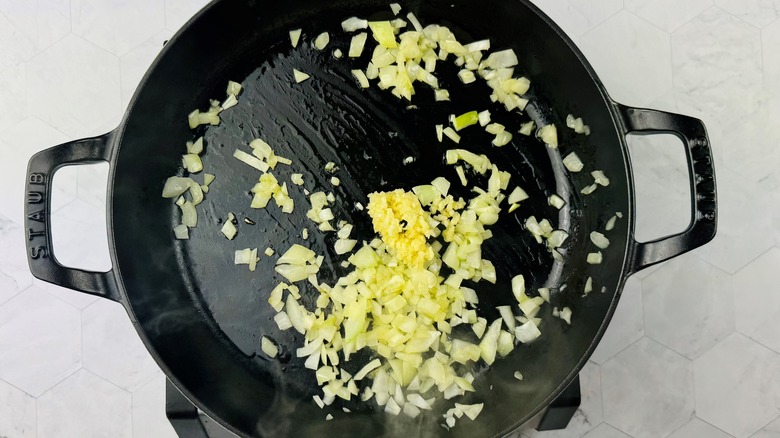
(37, 209)
(701, 171)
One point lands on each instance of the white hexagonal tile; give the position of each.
(659, 12)
(756, 301)
(647, 390)
(149, 418)
(177, 12)
(17, 412)
(43, 22)
(76, 87)
(771, 430)
(756, 12)
(627, 324)
(604, 430)
(8, 288)
(716, 61)
(41, 339)
(770, 37)
(85, 405)
(117, 25)
(15, 47)
(631, 56)
(742, 229)
(688, 305)
(80, 237)
(737, 388)
(136, 62)
(112, 348)
(17, 145)
(12, 90)
(589, 415)
(696, 428)
(13, 257)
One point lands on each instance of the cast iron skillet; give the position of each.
(202, 318)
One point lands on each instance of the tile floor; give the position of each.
(693, 351)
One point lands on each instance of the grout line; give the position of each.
(716, 427)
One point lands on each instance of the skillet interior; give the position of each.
(202, 317)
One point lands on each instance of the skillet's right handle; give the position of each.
(704, 204)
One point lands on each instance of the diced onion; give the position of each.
(465, 120)
(527, 128)
(502, 139)
(501, 59)
(565, 315)
(588, 286)
(589, 189)
(573, 163)
(517, 195)
(300, 76)
(181, 232)
(461, 175)
(595, 258)
(518, 375)
(599, 240)
(250, 160)
(282, 321)
(441, 95)
(343, 246)
(451, 134)
(527, 332)
(611, 223)
(495, 128)
(321, 41)
(415, 22)
(189, 216)
(175, 186)
(556, 201)
(440, 132)
(352, 24)
(361, 78)
(295, 36)
(600, 178)
(549, 135)
(192, 163)
(195, 147)
(357, 44)
(268, 347)
(466, 76)
(395, 7)
(338, 54)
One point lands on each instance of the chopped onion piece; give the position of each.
(461, 175)
(619, 214)
(441, 95)
(513, 207)
(297, 179)
(242, 256)
(595, 258)
(565, 315)
(192, 163)
(208, 179)
(181, 232)
(573, 163)
(451, 134)
(321, 41)
(415, 22)
(371, 366)
(196, 192)
(395, 7)
(495, 128)
(599, 240)
(330, 417)
(300, 76)
(383, 33)
(282, 320)
(518, 375)
(440, 132)
(195, 147)
(175, 186)
(338, 54)
(357, 44)
(507, 316)
(189, 216)
(229, 102)
(502, 59)
(517, 195)
(268, 347)
(361, 78)
(544, 293)
(295, 36)
(611, 223)
(588, 285)
(251, 160)
(556, 201)
(343, 246)
(549, 135)
(600, 178)
(502, 139)
(557, 238)
(352, 24)
(589, 189)
(466, 76)
(527, 128)
(527, 332)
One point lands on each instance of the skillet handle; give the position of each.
(704, 204)
(37, 209)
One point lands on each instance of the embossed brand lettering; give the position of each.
(38, 216)
(31, 234)
(37, 252)
(34, 197)
(37, 178)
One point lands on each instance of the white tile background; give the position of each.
(693, 350)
